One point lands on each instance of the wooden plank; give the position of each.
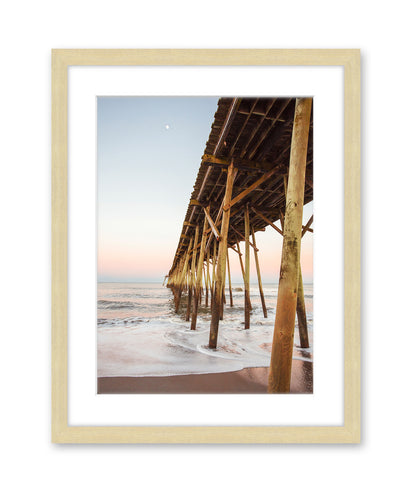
(282, 346)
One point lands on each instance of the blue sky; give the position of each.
(148, 154)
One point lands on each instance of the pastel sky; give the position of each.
(148, 154)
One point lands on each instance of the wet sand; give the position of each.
(249, 380)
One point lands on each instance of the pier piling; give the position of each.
(282, 347)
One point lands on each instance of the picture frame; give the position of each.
(62, 431)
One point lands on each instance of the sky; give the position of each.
(148, 155)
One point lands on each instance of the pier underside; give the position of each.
(256, 171)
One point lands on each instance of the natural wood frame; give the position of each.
(349, 59)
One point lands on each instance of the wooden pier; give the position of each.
(256, 171)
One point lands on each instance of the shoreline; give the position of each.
(250, 380)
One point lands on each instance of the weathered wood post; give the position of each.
(240, 259)
(301, 313)
(176, 283)
(282, 347)
(198, 285)
(242, 267)
(247, 270)
(208, 281)
(206, 285)
(183, 276)
(222, 302)
(222, 255)
(214, 272)
(256, 258)
(300, 305)
(229, 279)
(192, 277)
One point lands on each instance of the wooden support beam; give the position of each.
(244, 237)
(212, 224)
(282, 346)
(208, 281)
(282, 219)
(195, 202)
(306, 227)
(240, 257)
(254, 185)
(222, 254)
(214, 271)
(214, 160)
(217, 219)
(222, 302)
(301, 313)
(300, 301)
(191, 281)
(239, 163)
(247, 270)
(206, 285)
(256, 258)
(198, 283)
(229, 280)
(232, 247)
(267, 220)
(182, 281)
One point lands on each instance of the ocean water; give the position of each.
(139, 333)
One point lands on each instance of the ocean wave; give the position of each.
(109, 304)
(129, 321)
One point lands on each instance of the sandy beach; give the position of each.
(249, 380)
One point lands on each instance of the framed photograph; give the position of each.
(205, 246)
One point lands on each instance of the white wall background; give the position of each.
(383, 464)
